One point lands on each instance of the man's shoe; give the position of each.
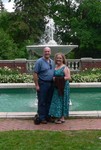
(37, 119)
(51, 120)
(44, 122)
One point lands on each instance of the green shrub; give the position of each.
(8, 75)
(91, 75)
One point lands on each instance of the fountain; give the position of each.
(48, 40)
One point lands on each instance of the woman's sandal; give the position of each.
(58, 121)
(63, 121)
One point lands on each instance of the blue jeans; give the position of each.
(44, 99)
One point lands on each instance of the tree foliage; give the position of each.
(88, 28)
(7, 47)
(62, 12)
(78, 23)
(1, 6)
(30, 16)
(26, 24)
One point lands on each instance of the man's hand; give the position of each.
(37, 87)
(35, 76)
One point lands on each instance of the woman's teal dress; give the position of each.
(60, 104)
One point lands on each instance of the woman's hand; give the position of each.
(65, 78)
(53, 78)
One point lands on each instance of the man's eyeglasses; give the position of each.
(50, 66)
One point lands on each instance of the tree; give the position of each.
(7, 42)
(8, 49)
(87, 25)
(62, 11)
(26, 24)
(29, 19)
(1, 5)
(78, 23)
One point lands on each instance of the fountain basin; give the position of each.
(23, 98)
(85, 98)
(38, 49)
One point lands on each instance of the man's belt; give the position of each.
(45, 80)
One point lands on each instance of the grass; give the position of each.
(50, 140)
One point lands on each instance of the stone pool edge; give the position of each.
(27, 115)
(32, 85)
(31, 114)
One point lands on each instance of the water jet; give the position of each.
(55, 48)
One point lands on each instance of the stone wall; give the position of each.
(89, 63)
(26, 66)
(13, 64)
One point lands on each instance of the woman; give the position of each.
(60, 101)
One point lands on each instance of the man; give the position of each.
(43, 78)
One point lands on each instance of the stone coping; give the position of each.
(27, 115)
(32, 85)
(85, 85)
(16, 85)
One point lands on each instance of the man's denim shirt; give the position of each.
(44, 69)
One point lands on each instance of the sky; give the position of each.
(8, 5)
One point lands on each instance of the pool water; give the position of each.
(85, 99)
(18, 100)
(25, 99)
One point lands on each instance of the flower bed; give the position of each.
(8, 75)
(91, 75)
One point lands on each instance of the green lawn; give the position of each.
(50, 140)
